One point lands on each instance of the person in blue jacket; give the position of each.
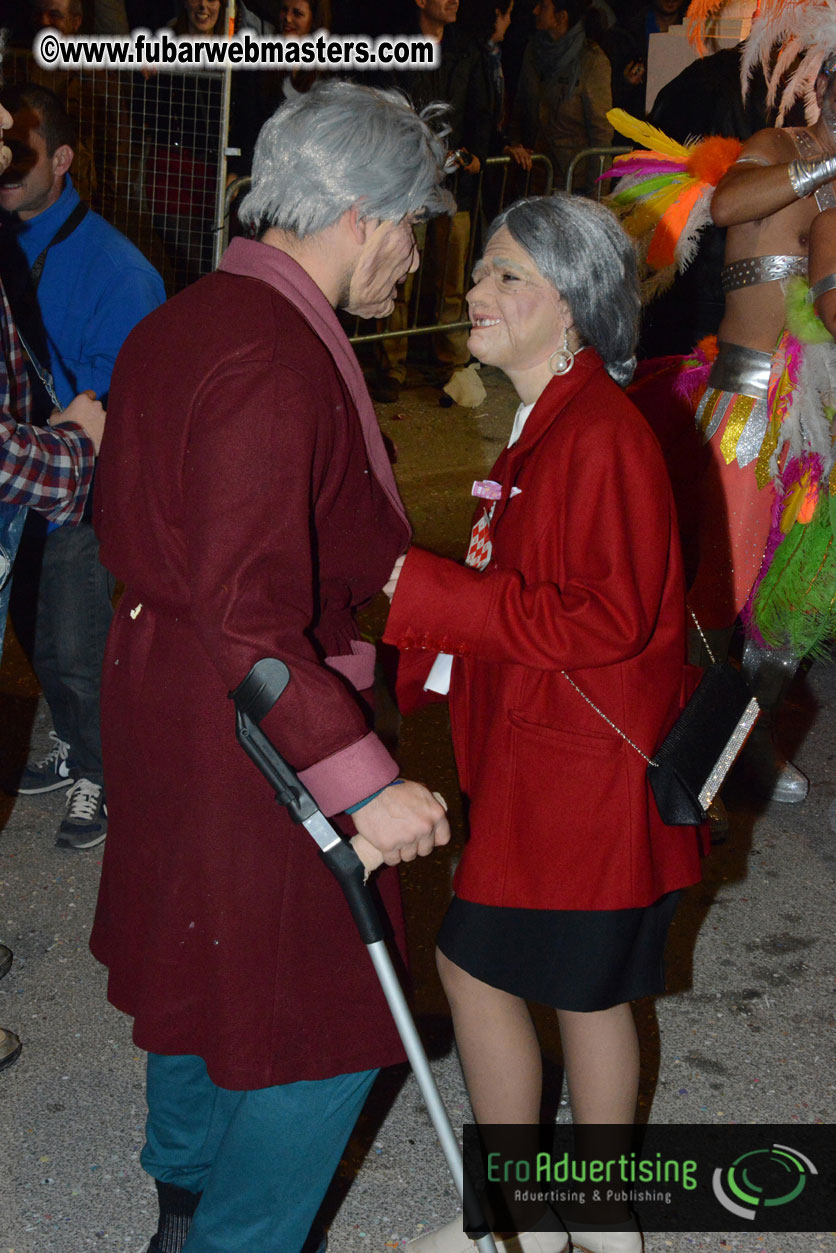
(77, 287)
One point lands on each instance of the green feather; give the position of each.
(802, 320)
(795, 604)
(646, 188)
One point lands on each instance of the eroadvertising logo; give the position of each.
(674, 1177)
(762, 1178)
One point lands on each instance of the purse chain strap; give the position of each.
(609, 721)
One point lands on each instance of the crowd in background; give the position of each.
(555, 66)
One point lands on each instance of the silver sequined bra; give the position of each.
(753, 270)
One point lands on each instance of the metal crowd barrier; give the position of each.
(604, 158)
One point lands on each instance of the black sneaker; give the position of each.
(85, 822)
(48, 773)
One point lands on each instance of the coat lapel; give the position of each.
(559, 393)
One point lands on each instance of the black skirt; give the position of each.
(570, 959)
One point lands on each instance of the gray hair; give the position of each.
(580, 248)
(340, 145)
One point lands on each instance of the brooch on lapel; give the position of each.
(488, 489)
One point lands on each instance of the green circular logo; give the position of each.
(762, 1178)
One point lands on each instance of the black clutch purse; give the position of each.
(692, 761)
(687, 769)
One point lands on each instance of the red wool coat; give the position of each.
(586, 576)
(246, 508)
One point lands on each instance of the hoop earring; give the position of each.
(562, 359)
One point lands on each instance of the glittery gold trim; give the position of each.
(736, 419)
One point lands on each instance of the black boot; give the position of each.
(177, 1207)
(770, 672)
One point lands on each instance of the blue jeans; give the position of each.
(12, 518)
(61, 608)
(263, 1159)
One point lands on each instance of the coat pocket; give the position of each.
(605, 744)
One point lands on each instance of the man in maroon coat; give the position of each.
(246, 501)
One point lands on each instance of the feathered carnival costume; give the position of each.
(664, 201)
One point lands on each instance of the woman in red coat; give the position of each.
(562, 636)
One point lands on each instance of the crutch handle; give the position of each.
(253, 699)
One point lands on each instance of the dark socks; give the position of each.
(177, 1207)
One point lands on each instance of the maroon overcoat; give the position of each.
(586, 576)
(245, 499)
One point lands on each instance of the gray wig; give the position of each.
(340, 145)
(580, 248)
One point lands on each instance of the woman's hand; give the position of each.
(392, 583)
(86, 412)
(520, 154)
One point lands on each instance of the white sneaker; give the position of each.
(452, 1239)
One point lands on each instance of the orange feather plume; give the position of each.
(712, 157)
(671, 226)
(697, 18)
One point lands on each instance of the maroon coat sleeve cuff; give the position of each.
(350, 775)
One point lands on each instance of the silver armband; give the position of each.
(807, 176)
(818, 289)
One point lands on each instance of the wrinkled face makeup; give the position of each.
(388, 257)
(296, 18)
(517, 317)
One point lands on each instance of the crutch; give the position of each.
(254, 698)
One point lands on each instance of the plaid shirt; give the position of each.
(49, 469)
